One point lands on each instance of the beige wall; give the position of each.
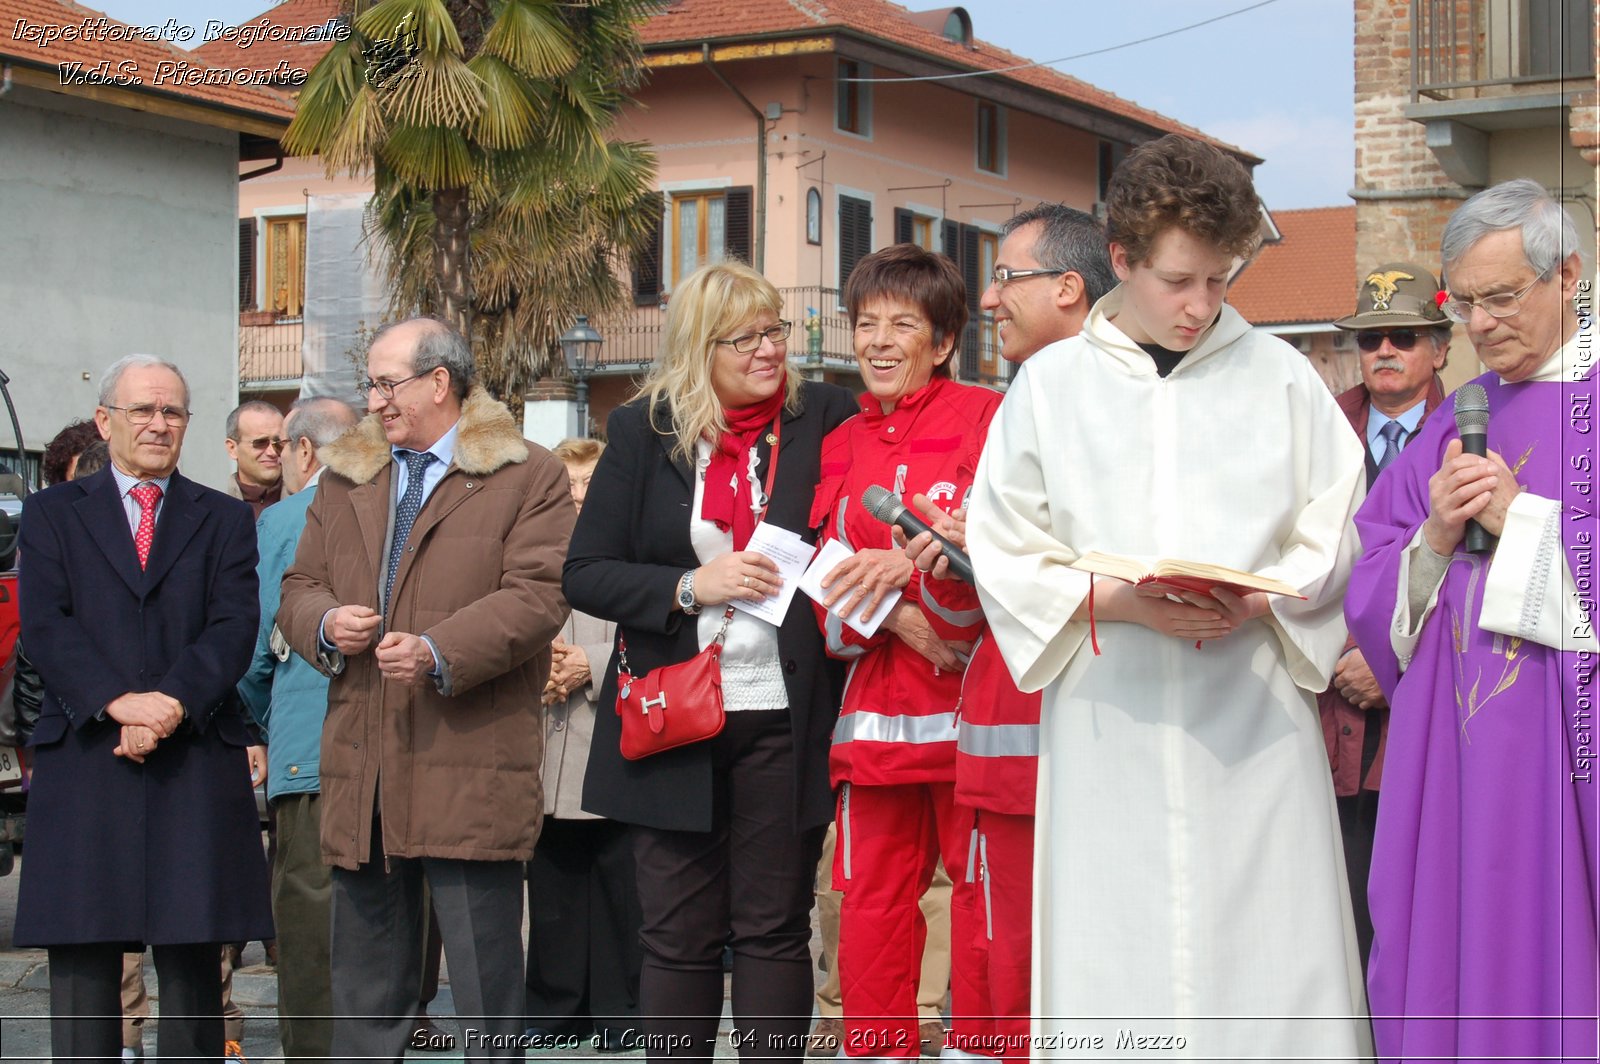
(920, 136)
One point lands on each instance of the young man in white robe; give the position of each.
(1190, 883)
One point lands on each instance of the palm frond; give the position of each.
(532, 38)
(359, 137)
(432, 157)
(328, 92)
(422, 25)
(434, 90)
(510, 106)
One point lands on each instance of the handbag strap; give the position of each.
(774, 437)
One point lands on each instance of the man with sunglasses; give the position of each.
(1484, 869)
(255, 442)
(1404, 339)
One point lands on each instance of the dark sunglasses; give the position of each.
(261, 443)
(1369, 340)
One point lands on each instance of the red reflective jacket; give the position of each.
(897, 721)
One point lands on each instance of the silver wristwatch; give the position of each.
(686, 599)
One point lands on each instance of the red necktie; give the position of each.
(146, 495)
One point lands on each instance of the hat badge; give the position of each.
(1384, 285)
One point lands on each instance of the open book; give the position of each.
(1187, 576)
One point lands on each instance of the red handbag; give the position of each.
(679, 704)
(674, 705)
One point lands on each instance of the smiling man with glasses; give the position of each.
(255, 442)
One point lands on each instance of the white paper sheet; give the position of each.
(790, 554)
(832, 554)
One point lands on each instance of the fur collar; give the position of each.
(487, 439)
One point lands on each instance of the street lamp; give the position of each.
(580, 347)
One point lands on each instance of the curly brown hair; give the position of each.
(1187, 183)
(68, 444)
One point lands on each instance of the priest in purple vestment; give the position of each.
(1484, 868)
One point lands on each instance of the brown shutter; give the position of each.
(902, 226)
(737, 224)
(647, 256)
(247, 263)
(855, 235)
(969, 263)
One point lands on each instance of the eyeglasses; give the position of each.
(751, 341)
(144, 413)
(1500, 305)
(1369, 340)
(261, 443)
(386, 388)
(1004, 275)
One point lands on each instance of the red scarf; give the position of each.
(726, 500)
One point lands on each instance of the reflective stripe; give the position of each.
(844, 826)
(998, 740)
(972, 857)
(834, 630)
(884, 728)
(988, 900)
(959, 618)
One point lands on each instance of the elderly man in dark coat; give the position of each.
(138, 591)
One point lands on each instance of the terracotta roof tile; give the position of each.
(1308, 277)
(691, 22)
(268, 53)
(152, 60)
(694, 21)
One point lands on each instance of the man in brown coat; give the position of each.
(1404, 339)
(427, 584)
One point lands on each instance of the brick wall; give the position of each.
(1392, 156)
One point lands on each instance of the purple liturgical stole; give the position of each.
(1485, 865)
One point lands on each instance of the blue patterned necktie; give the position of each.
(1391, 433)
(405, 515)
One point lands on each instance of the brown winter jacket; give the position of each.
(459, 772)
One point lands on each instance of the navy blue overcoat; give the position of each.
(168, 851)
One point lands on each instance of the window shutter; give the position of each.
(855, 235)
(247, 263)
(736, 224)
(903, 233)
(950, 241)
(647, 256)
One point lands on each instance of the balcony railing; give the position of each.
(269, 354)
(633, 339)
(1461, 45)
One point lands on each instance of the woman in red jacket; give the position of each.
(893, 757)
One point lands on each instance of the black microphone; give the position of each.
(1472, 422)
(889, 508)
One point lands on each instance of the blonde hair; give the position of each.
(704, 307)
(576, 451)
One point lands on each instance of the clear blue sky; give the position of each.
(1276, 81)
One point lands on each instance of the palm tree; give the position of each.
(499, 200)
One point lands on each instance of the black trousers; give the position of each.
(86, 1001)
(745, 884)
(583, 929)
